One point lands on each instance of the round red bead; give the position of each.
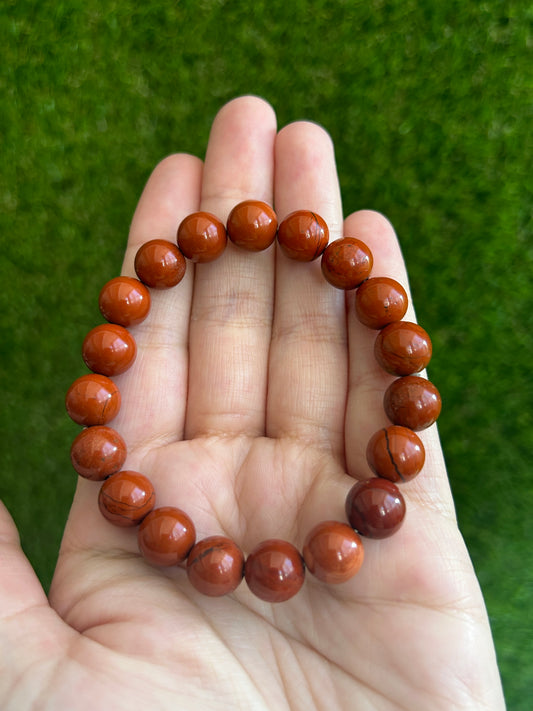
(403, 348)
(125, 301)
(126, 498)
(347, 262)
(252, 225)
(413, 402)
(375, 508)
(92, 400)
(215, 566)
(274, 571)
(166, 536)
(160, 264)
(395, 453)
(333, 552)
(97, 452)
(202, 237)
(380, 301)
(303, 235)
(109, 349)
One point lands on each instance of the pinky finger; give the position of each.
(368, 381)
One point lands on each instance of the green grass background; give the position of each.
(430, 106)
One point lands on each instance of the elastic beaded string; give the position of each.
(375, 508)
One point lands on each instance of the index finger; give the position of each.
(172, 192)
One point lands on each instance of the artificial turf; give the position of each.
(430, 107)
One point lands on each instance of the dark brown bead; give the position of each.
(109, 349)
(160, 264)
(215, 566)
(375, 508)
(274, 571)
(252, 225)
(413, 402)
(126, 498)
(202, 237)
(403, 348)
(380, 301)
(347, 262)
(303, 235)
(333, 552)
(97, 452)
(395, 453)
(92, 400)
(125, 301)
(166, 536)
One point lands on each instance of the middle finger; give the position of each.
(232, 304)
(308, 361)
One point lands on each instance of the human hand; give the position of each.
(250, 403)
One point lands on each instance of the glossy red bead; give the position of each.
(333, 552)
(215, 566)
(125, 301)
(375, 508)
(395, 453)
(126, 498)
(109, 349)
(93, 400)
(274, 571)
(97, 452)
(380, 301)
(403, 348)
(303, 235)
(202, 237)
(252, 225)
(166, 536)
(413, 402)
(347, 262)
(160, 264)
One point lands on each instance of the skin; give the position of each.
(254, 393)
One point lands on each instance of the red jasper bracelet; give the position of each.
(333, 550)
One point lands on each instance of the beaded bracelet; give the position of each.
(375, 508)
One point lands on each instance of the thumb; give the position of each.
(33, 638)
(20, 588)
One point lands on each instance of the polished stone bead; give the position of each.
(403, 348)
(97, 452)
(109, 349)
(274, 571)
(160, 264)
(202, 237)
(303, 235)
(375, 508)
(125, 301)
(92, 400)
(380, 301)
(395, 453)
(413, 402)
(333, 552)
(126, 498)
(347, 262)
(215, 566)
(252, 225)
(166, 536)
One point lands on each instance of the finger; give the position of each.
(20, 589)
(368, 381)
(308, 360)
(154, 389)
(232, 304)
(32, 635)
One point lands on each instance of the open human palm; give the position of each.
(249, 406)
